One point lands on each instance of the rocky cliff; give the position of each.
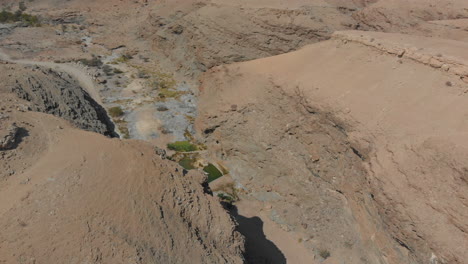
(57, 93)
(197, 35)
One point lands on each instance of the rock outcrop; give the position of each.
(8, 139)
(58, 94)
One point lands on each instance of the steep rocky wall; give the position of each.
(58, 94)
(196, 36)
(300, 162)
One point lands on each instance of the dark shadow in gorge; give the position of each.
(258, 249)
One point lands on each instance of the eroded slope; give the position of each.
(358, 149)
(72, 196)
(57, 93)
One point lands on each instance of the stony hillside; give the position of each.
(197, 35)
(338, 128)
(356, 144)
(415, 17)
(188, 36)
(71, 196)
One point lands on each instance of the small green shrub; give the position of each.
(166, 93)
(324, 253)
(123, 58)
(30, 20)
(9, 17)
(22, 6)
(182, 146)
(165, 81)
(94, 62)
(116, 111)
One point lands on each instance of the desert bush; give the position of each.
(123, 58)
(19, 16)
(166, 93)
(94, 62)
(324, 253)
(116, 111)
(22, 6)
(166, 81)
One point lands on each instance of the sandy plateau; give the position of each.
(215, 131)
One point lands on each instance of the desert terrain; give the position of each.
(214, 131)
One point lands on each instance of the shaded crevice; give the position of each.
(355, 151)
(258, 249)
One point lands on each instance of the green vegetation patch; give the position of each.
(165, 81)
(188, 163)
(182, 146)
(213, 172)
(122, 59)
(166, 93)
(116, 111)
(19, 16)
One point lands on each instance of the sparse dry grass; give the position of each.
(122, 125)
